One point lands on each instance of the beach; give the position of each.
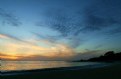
(105, 72)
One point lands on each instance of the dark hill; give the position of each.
(108, 56)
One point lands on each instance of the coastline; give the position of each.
(111, 71)
(19, 72)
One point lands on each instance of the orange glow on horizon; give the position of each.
(15, 49)
(9, 57)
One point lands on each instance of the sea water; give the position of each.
(31, 65)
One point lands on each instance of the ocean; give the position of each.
(31, 65)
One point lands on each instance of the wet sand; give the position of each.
(106, 72)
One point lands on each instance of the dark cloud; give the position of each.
(58, 20)
(8, 18)
(115, 31)
(95, 15)
(97, 23)
(103, 14)
(65, 23)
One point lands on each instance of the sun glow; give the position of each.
(16, 50)
(10, 57)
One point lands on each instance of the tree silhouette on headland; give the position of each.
(108, 56)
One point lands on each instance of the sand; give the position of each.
(106, 72)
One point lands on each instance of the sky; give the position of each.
(59, 29)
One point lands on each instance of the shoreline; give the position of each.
(111, 71)
(20, 72)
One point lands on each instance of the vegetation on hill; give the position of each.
(108, 56)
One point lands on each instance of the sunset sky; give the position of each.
(59, 29)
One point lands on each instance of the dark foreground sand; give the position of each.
(108, 72)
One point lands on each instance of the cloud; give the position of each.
(97, 23)
(57, 20)
(14, 38)
(65, 23)
(8, 18)
(88, 54)
(8, 57)
(18, 50)
(3, 36)
(114, 31)
(105, 15)
(91, 17)
(8, 36)
(95, 18)
(49, 38)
